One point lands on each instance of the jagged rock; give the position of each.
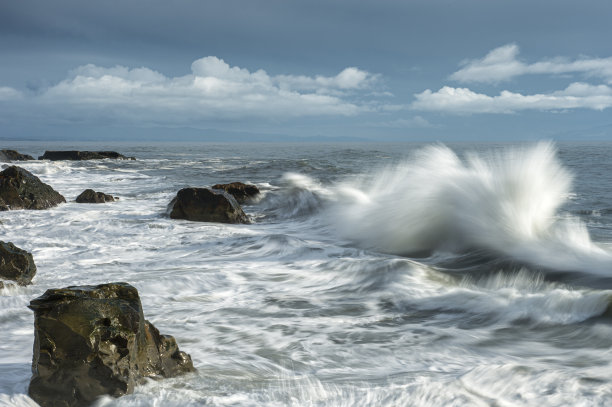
(93, 340)
(16, 264)
(206, 205)
(20, 189)
(12, 155)
(242, 192)
(82, 155)
(91, 196)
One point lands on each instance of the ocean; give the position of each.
(371, 274)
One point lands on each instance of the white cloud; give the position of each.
(349, 79)
(465, 101)
(7, 94)
(502, 64)
(213, 89)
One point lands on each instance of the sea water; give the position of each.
(372, 274)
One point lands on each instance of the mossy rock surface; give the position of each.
(92, 341)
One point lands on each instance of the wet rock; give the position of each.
(82, 155)
(206, 205)
(93, 340)
(242, 192)
(91, 196)
(12, 155)
(20, 189)
(16, 264)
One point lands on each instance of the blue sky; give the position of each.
(412, 70)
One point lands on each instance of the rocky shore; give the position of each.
(94, 340)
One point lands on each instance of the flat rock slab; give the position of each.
(91, 196)
(16, 264)
(93, 340)
(75, 155)
(206, 205)
(20, 189)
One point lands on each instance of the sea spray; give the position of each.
(505, 201)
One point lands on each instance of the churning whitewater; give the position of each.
(403, 274)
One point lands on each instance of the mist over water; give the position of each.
(372, 275)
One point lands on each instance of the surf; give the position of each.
(505, 201)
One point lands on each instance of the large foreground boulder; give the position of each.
(82, 155)
(12, 155)
(206, 205)
(91, 196)
(16, 264)
(20, 189)
(93, 340)
(242, 192)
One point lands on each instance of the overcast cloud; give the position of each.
(373, 69)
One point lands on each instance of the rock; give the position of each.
(82, 155)
(12, 155)
(206, 205)
(16, 264)
(93, 340)
(242, 192)
(91, 196)
(20, 189)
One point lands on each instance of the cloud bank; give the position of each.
(466, 101)
(213, 90)
(502, 64)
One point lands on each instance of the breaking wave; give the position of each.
(507, 202)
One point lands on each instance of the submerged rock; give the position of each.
(12, 155)
(206, 205)
(82, 155)
(91, 196)
(16, 264)
(93, 340)
(20, 189)
(242, 192)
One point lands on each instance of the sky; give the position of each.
(375, 70)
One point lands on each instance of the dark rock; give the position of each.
(82, 155)
(93, 340)
(12, 155)
(91, 196)
(20, 189)
(16, 264)
(206, 205)
(242, 192)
